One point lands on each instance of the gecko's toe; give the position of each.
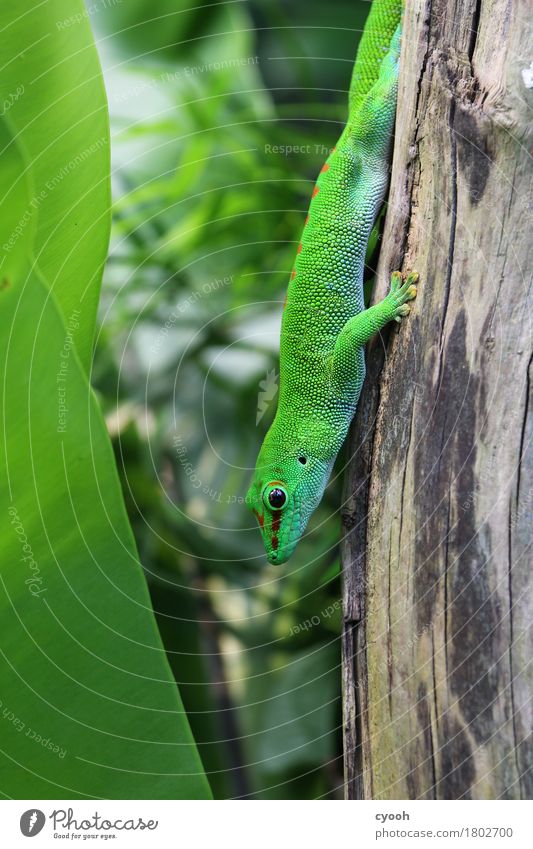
(396, 281)
(407, 290)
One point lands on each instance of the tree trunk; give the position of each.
(439, 486)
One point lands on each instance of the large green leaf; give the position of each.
(88, 703)
(51, 88)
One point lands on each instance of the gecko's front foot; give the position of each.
(402, 289)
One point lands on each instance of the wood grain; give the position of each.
(438, 503)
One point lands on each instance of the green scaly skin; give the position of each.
(325, 326)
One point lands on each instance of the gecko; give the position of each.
(325, 325)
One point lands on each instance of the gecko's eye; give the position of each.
(302, 459)
(275, 496)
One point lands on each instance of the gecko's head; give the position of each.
(282, 497)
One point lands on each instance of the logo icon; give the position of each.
(268, 389)
(32, 822)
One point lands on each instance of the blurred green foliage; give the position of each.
(207, 216)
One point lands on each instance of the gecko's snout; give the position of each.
(281, 554)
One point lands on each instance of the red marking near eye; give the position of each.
(275, 543)
(293, 275)
(315, 191)
(276, 521)
(324, 168)
(306, 222)
(260, 517)
(299, 248)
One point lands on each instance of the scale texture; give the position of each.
(325, 325)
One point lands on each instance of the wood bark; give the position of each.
(437, 645)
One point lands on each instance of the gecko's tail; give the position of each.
(380, 32)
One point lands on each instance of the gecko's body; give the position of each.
(325, 326)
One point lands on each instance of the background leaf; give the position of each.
(52, 90)
(88, 703)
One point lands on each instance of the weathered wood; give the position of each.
(439, 491)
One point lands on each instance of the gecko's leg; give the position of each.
(358, 330)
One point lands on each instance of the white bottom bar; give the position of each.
(267, 825)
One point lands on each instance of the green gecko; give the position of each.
(325, 325)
